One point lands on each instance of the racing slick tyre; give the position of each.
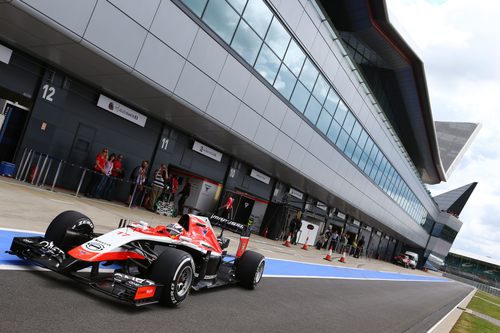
(174, 269)
(68, 220)
(250, 269)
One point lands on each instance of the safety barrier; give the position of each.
(42, 170)
(481, 286)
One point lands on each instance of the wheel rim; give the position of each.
(183, 282)
(259, 272)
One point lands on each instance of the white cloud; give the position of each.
(457, 41)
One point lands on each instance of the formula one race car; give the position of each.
(153, 264)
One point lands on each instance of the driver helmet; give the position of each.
(175, 229)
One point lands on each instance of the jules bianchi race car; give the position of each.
(153, 264)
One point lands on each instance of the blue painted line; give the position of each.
(274, 267)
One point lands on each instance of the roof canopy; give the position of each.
(397, 72)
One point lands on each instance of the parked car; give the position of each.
(413, 259)
(402, 259)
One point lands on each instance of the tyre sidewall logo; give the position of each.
(94, 246)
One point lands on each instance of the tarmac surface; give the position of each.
(300, 290)
(48, 302)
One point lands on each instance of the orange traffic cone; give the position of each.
(288, 241)
(305, 246)
(342, 259)
(329, 255)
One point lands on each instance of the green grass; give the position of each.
(489, 297)
(472, 324)
(478, 305)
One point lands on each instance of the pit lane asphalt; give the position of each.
(48, 302)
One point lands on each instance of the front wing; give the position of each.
(127, 288)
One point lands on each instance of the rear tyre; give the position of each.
(68, 220)
(250, 269)
(174, 269)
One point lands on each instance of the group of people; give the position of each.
(108, 168)
(331, 237)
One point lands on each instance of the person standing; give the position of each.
(108, 167)
(100, 163)
(184, 194)
(116, 173)
(159, 181)
(298, 226)
(361, 244)
(138, 178)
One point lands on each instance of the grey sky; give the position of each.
(458, 42)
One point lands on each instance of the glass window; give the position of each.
(373, 172)
(258, 15)
(362, 138)
(324, 121)
(285, 82)
(362, 161)
(321, 89)
(239, 5)
(308, 75)
(368, 167)
(356, 155)
(368, 146)
(374, 153)
(356, 130)
(246, 43)
(313, 110)
(196, 6)
(294, 58)
(340, 113)
(332, 101)
(349, 148)
(300, 97)
(277, 38)
(342, 140)
(222, 19)
(349, 122)
(267, 64)
(333, 131)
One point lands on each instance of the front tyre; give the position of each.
(174, 269)
(250, 269)
(68, 220)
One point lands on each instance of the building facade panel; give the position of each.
(123, 41)
(217, 76)
(142, 14)
(170, 18)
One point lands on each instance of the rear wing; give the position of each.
(225, 224)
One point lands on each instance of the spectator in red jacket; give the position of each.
(99, 170)
(116, 173)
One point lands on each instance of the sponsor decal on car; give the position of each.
(94, 246)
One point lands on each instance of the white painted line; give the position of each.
(38, 268)
(62, 201)
(347, 278)
(22, 230)
(446, 316)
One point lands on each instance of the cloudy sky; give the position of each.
(458, 41)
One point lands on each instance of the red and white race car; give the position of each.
(153, 264)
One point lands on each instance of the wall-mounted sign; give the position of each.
(260, 176)
(356, 222)
(321, 206)
(367, 227)
(379, 233)
(297, 194)
(341, 215)
(207, 151)
(120, 110)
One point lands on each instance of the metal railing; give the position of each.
(481, 286)
(42, 170)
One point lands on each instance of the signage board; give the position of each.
(207, 151)
(340, 215)
(260, 176)
(120, 110)
(297, 194)
(321, 206)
